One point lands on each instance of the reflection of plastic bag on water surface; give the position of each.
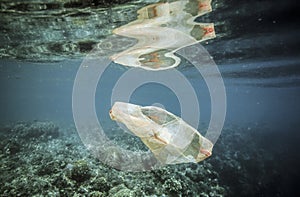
(170, 139)
(161, 29)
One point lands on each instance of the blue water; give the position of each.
(43, 91)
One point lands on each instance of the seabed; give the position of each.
(42, 159)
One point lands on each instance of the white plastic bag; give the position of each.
(170, 139)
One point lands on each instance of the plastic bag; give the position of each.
(170, 139)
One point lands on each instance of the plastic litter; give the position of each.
(170, 139)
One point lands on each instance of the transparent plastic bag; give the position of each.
(170, 139)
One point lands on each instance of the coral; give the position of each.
(12, 147)
(51, 167)
(80, 171)
(124, 193)
(116, 189)
(97, 194)
(44, 130)
(121, 191)
(101, 184)
(173, 186)
(62, 166)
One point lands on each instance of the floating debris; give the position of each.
(170, 139)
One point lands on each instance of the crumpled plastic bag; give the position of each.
(170, 139)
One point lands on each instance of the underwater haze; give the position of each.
(256, 50)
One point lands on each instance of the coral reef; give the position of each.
(79, 171)
(60, 165)
(42, 159)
